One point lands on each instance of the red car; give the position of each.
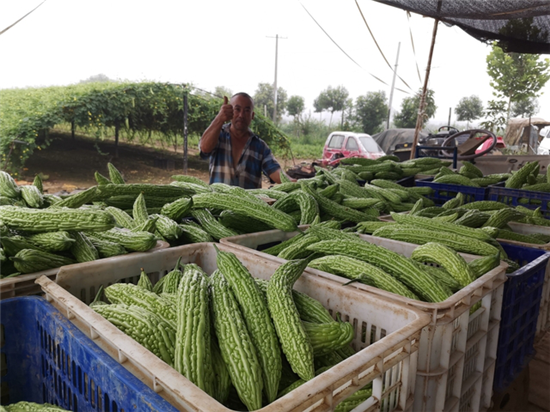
(349, 144)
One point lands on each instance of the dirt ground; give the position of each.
(67, 165)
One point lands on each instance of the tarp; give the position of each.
(391, 137)
(518, 130)
(520, 26)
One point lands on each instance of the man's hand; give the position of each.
(226, 111)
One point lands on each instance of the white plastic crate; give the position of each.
(388, 361)
(453, 352)
(24, 285)
(543, 322)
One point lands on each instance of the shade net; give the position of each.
(519, 26)
(388, 139)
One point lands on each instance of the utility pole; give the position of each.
(392, 86)
(275, 82)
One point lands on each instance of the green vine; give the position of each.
(98, 108)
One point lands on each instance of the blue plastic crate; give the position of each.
(528, 198)
(406, 181)
(444, 191)
(45, 358)
(520, 311)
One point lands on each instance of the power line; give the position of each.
(376, 43)
(347, 55)
(324, 31)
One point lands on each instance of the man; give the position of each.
(237, 156)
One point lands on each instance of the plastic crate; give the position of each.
(454, 351)
(527, 198)
(406, 181)
(543, 323)
(520, 311)
(444, 191)
(24, 285)
(45, 358)
(387, 333)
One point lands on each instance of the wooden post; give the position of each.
(421, 108)
(185, 107)
(116, 139)
(73, 128)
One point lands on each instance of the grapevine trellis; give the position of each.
(110, 109)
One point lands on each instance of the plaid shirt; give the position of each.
(256, 158)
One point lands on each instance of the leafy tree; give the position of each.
(516, 76)
(371, 111)
(332, 100)
(221, 91)
(406, 118)
(96, 78)
(264, 98)
(469, 108)
(295, 106)
(494, 113)
(525, 108)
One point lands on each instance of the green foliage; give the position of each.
(309, 141)
(264, 97)
(469, 108)
(525, 108)
(332, 100)
(406, 118)
(495, 115)
(221, 91)
(371, 111)
(295, 106)
(516, 76)
(97, 108)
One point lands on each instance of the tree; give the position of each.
(406, 118)
(263, 98)
(525, 108)
(295, 106)
(371, 111)
(221, 91)
(96, 78)
(469, 108)
(332, 100)
(516, 76)
(494, 113)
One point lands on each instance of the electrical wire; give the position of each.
(342, 50)
(379, 49)
(412, 44)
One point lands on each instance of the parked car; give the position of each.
(348, 144)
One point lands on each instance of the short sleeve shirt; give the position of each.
(255, 159)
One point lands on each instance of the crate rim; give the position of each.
(160, 376)
(488, 282)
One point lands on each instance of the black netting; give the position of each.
(520, 26)
(388, 139)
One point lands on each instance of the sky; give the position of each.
(211, 43)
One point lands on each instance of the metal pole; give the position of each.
(392, 86)
(184, 129)
(275, 83)
(449, 121)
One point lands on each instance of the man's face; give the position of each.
(243, 112)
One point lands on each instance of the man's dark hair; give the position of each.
(245, 95)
